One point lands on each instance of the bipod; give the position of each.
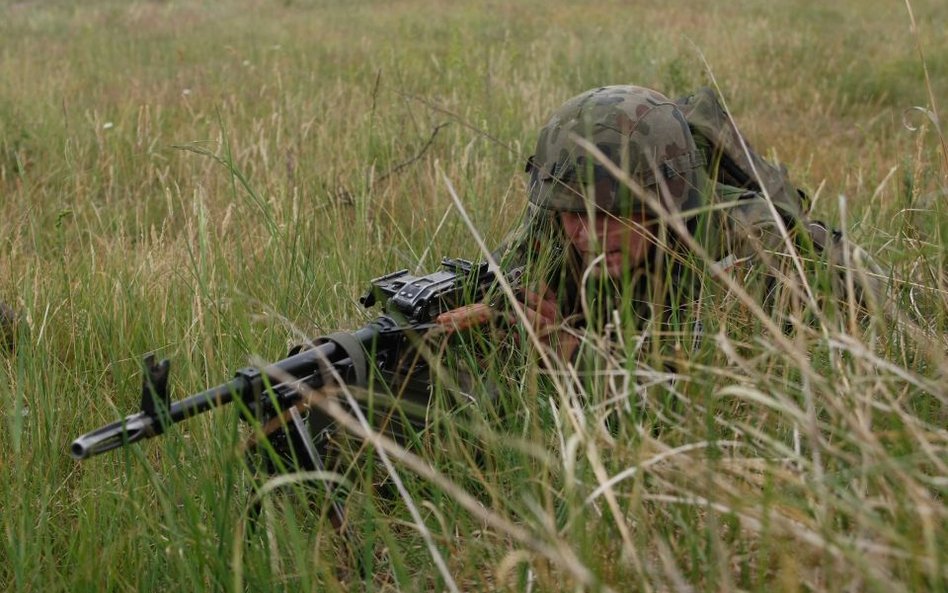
(296, 450)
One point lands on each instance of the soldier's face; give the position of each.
(623, 241)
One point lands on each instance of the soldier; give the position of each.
(626, 185)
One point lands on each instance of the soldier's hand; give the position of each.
(543, 312)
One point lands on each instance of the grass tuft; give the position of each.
(210, 181)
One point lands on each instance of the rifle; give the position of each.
(451, 298)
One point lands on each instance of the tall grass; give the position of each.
(810, 462)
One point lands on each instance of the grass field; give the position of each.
(822, 466)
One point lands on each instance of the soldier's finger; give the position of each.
(534, 318)
(544, 306)
(547, 292)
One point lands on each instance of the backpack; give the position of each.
(737, 164)
(732, 162)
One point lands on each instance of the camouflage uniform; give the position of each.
(688, 161)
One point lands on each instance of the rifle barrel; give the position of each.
(246, 386)
(137, 427)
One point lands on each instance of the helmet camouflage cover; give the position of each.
(640, 130)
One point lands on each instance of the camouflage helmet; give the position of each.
(640, 130)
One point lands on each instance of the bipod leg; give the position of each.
(315, 461)
(337, 516)
(255, 511)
